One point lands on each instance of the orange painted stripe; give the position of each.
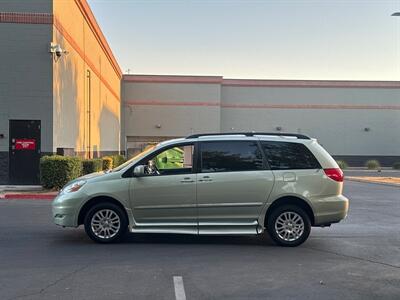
(81, 53)
(310, 106)
(173, 79)
(172, 103)
(259, 106)
(310, 83)
(260, 82)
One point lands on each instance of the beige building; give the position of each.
(354, 120)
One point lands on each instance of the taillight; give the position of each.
(335, 174)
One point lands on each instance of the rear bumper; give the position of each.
(330, 210)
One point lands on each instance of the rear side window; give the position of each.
(230, 156)
(284, 156)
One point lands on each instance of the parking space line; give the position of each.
(179, 288)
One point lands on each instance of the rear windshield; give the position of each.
(285, 156)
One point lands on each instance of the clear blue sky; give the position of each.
(320, 39)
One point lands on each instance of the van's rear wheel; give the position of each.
(289, 225)
(106, 223)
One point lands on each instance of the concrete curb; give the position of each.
(27, 196)
(374, 182)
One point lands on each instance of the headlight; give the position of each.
(73, 187)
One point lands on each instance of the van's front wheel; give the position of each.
(289, 225)
(105, 223)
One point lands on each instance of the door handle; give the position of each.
(205, 178)
(187, 180)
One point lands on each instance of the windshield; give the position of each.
(136, 157)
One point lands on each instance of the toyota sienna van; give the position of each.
(211, 184)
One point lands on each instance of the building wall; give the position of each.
(336, 116)
(25, 72)
(26, 6)
(180, 107)
(351, 119)
(36, 86)
(86, 84)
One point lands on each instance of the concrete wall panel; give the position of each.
(179, 108)
(29, 6)
(174, 121)
(26, 78)
(340, 127)
(340, 131)
(313, 95)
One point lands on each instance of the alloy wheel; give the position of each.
(105, 223)
(289, 226)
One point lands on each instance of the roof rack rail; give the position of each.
(253, 133)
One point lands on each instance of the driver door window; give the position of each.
(172, 161)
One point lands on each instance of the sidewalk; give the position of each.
(27, 192)
(371, 173)
(391, 181)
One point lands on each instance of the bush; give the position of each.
(91, 165)
(342, 164)
(118, 160)
(396, 165)
(373, 164)
(107, 163)
(56, 170)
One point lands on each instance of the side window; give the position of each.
(285, 156)
(172, 161)
(230, 156)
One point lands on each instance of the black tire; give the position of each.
(117, 233)
(292, 210)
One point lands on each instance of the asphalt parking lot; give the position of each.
(356, 259)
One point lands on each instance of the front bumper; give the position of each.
(330, 210)
(65, 210)
(64, 216)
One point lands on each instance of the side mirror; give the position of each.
(138, 171)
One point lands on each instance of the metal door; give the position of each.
(233, 186)
(166, 200)
(24, 151)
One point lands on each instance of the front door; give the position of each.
(165, 198)
(24, 151)
(232, 187)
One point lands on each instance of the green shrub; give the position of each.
(342, 164)
(91, 165)
(373, 164)
(107, 163)
(396, 165)
(56, 170)
(118, 159)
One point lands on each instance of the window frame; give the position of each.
(265, 165)
(151, 155)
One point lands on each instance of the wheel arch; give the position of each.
(292, 200)
(96, 200)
